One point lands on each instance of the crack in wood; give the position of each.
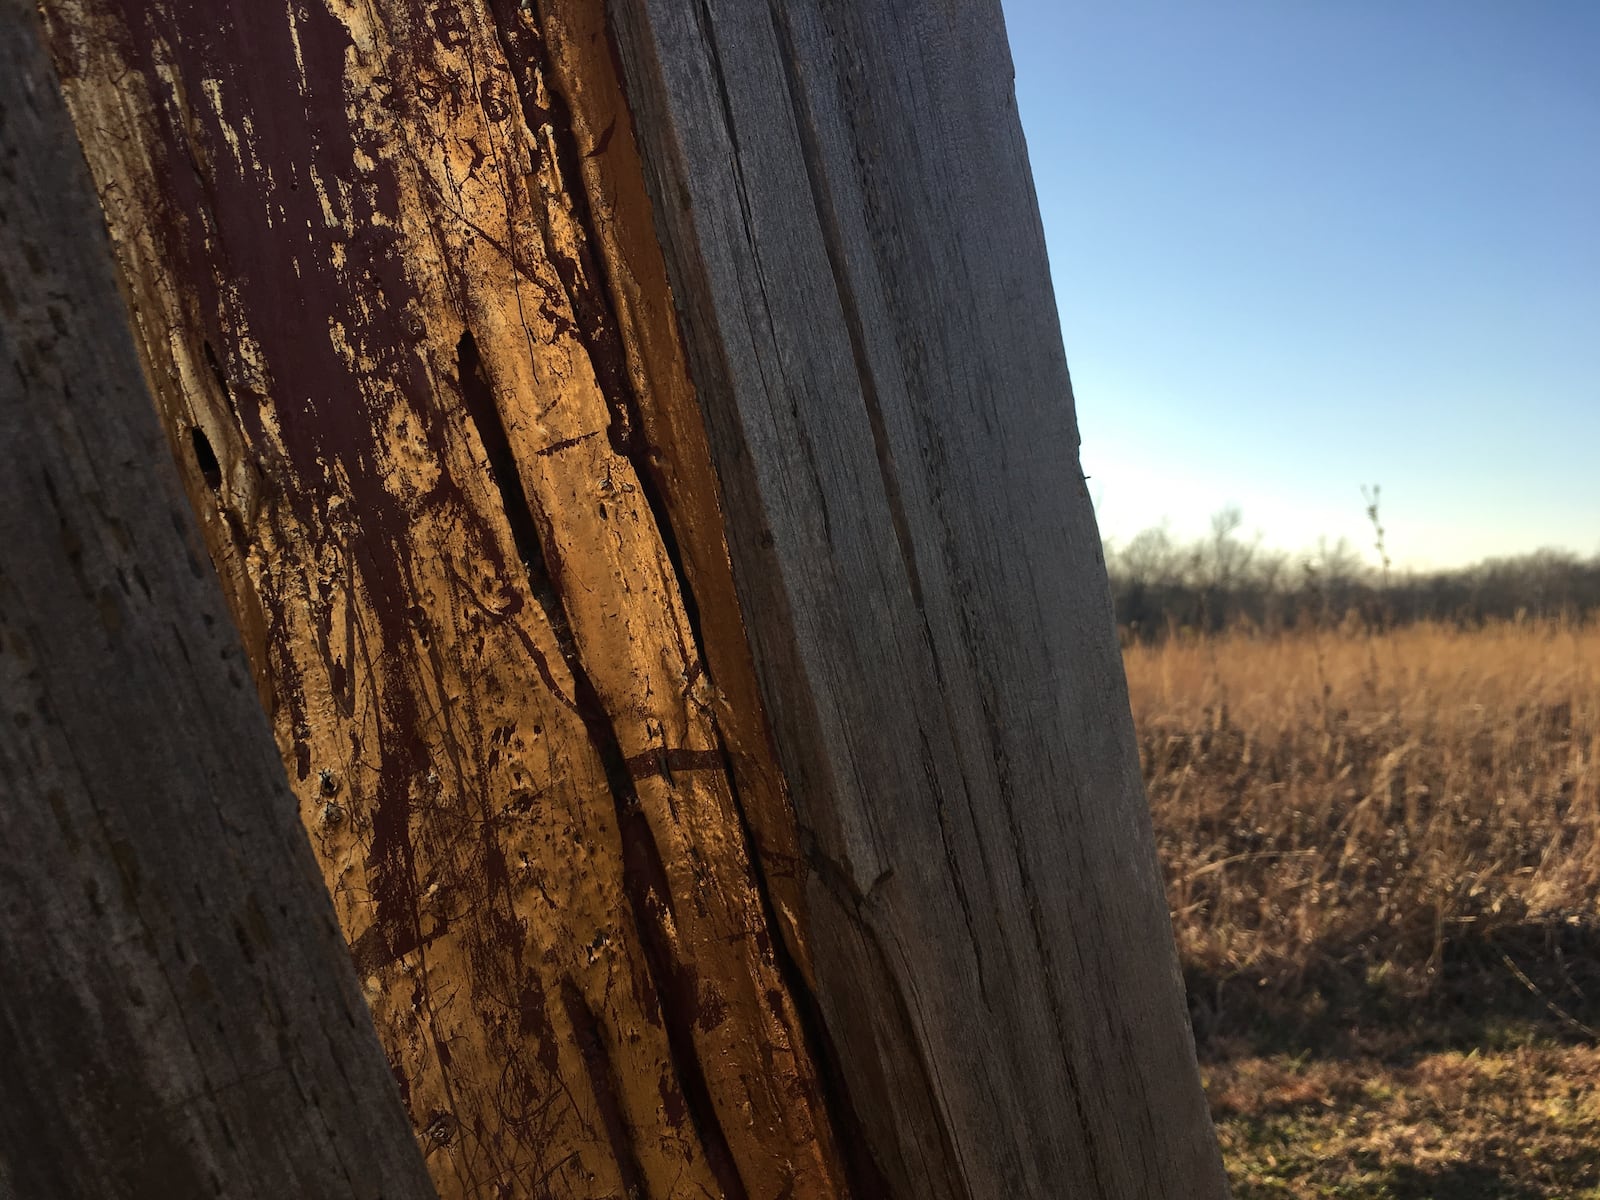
(645, 878)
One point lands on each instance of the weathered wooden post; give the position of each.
(639, 457)
(843, 195)
(178, 1016)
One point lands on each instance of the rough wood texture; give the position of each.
(843, 196)
(419, 367)
(178, 1013)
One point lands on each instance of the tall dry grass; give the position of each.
(1359, 828)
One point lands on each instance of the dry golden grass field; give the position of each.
(1382, 854)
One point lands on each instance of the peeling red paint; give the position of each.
(375, 259)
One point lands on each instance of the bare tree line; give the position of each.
(1161, 584)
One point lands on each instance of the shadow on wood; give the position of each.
(178, 1012)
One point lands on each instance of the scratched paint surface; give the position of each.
(396, 294)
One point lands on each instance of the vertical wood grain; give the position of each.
(409, 368)
(843, 195)
(178, 1012)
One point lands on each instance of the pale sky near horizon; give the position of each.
(1301, 247)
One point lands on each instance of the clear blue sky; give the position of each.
(1299, 247)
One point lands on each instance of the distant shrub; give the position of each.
(1222, 581)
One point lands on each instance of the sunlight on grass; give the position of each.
(1383, 862)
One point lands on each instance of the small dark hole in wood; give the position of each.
(206, 458)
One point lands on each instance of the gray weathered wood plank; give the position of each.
(179, 1016)
(842, 191)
